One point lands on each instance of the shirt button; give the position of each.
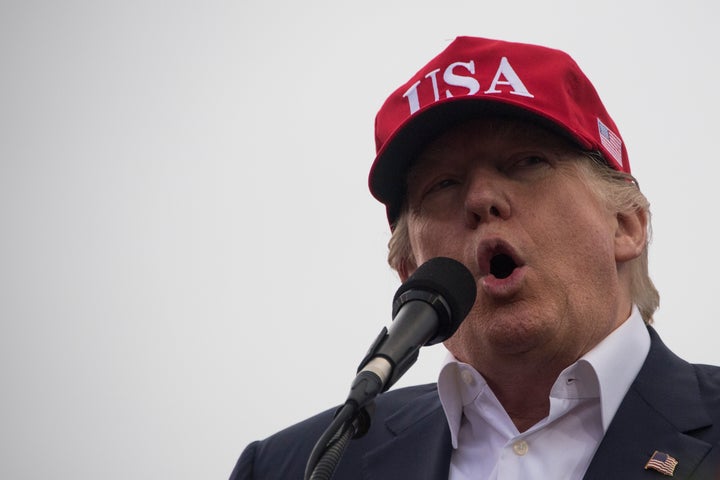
(467, 377)
(520, 447)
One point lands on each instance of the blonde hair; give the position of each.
(620, 193)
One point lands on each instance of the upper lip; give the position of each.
(494, 248)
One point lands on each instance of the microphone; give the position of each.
(428, 308)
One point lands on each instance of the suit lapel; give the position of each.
(419, 446)
(662, 405)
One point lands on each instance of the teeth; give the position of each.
(501, 266)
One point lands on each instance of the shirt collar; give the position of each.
(617, 360)
(607, 371)
(459, 384)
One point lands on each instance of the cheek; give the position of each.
(578, 222)
(430, 239)
(594, 232)
(582, 245)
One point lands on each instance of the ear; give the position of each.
(631, 235)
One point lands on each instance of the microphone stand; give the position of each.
(349, 422)
(376, 374)
(388, 358)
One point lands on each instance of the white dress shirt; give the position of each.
(583, 401)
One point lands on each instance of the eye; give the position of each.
(528, 163)
(531, 161)
(442, 184)
(439, 185)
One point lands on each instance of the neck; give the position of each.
(524, 392)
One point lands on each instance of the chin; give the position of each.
(500, 333)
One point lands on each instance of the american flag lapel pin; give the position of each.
(662, 462)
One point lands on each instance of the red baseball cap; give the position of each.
(476, 77)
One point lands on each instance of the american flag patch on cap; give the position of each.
(610, 141)
(662, 462)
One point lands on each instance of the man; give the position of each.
(502, 156)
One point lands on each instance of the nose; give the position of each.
(486, 199)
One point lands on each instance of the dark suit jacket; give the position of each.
(672, 406)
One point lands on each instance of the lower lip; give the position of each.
(504, 287)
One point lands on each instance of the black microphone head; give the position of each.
(447, 279)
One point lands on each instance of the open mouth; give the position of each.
(497, 259)
(502, 265)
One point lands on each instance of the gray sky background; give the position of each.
(189, 256)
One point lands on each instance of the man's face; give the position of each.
(504, 198)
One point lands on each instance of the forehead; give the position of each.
(493, 136)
